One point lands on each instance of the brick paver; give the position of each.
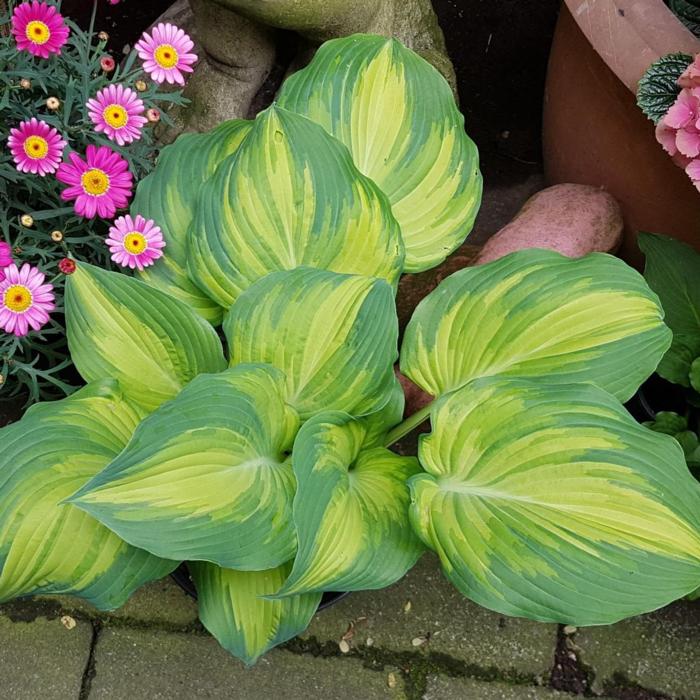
(442, 688)
(161, 603)
(659, 651)
(151, 665)
(42, 660)
(426, 607)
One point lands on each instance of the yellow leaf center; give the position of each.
(116, 116)
(166, 56)
(17, 298)
(37, 32)
(135, 243)
(95, 181)
(36, 147)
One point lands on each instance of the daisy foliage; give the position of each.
(72, 113)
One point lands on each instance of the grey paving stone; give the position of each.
(442, 688)
(659, 651)
(454, 625)
(150, 665)
(161, 602)
(42, 660)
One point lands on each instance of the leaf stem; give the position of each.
(410, 424)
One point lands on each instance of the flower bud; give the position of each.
(26, 220)
(107, 64)
(53, 103)
(67, 266)
(25, 84)
(56, 236)
(140, 85)
(103, 36)
(153, 115)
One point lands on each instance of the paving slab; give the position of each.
(424, 612)
(659, 651)
(159, 603)
(443, 688)
(42, 660)
(155, 665)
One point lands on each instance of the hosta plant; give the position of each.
(263, 454)
(672, 270)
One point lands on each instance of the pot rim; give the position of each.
(629, 35)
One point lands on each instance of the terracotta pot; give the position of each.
(595, 134)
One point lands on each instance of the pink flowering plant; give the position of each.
(76, 136)
(669, 94)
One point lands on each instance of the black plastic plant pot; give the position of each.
(181, 576)
(655, 395)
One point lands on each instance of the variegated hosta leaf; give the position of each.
(538, 313)
(290, 196)
(122, 328)
(233, 609)
(350, 510)
(552, 503)
(206, 477)
(168, 196)
(334, 336)
(47, 546)
(398, 117)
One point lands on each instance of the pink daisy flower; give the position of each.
(5, 254)
(135, 242)
(36, 147)
(166, 53)
(5, 258)
(118, 112)
(39, 28)
(100, 184)
(25, 301)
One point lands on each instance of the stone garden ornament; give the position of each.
(238, 41)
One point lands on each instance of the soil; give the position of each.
(10, 410)
(500, 52)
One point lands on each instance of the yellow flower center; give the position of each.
(37, 32)
(17, 298)
(166, 56)
(116, 116)
(135, 243)
(95, 182)
(36, 147)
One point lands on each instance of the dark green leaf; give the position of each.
(673, 271)
(688, 12)
(658, 89)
